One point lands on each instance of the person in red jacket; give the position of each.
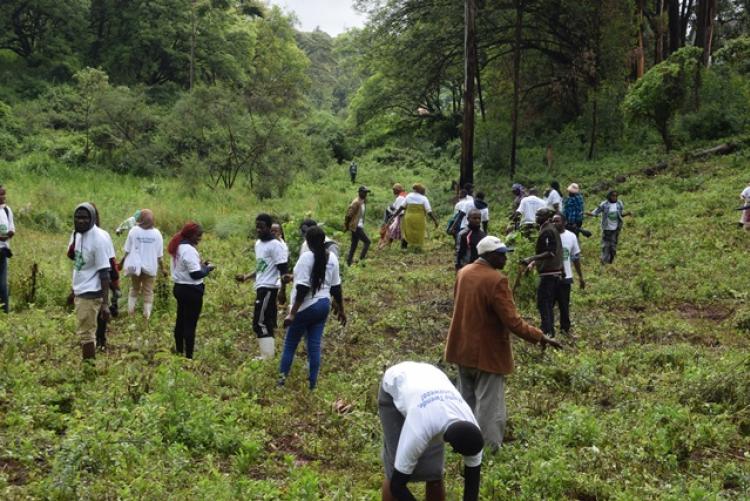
(484, 315)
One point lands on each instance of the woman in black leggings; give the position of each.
(187, 273)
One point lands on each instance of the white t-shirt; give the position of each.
(144, 248)
(465, 205)
(361, 222)
(429, 403)
(303, 276)
(485, 214)
(415, 198)
(528, 207)
(92, 252)
(612, 217)
(187, 260)
(571, 252)
(268, 255)
(6, 224)
(400, 201)
(554, 198)
(745, 195)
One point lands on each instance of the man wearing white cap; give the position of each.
(484, 315)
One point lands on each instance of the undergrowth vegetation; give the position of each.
(650, 400)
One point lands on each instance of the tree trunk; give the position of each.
(659, 32)
(704, 27)
(470, 71)
(673, 11)
(193, 35)
(479, 81)
(594, 117)
(516, 85)
(687, 11)
(640, 54)
(664, 132)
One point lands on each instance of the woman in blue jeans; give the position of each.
(316, 279)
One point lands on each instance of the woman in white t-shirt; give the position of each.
(416, 209)
(188, 273)
(144, 249)
(316, 279)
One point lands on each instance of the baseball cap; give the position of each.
(574, 188)
(492, 244)
(363, 189)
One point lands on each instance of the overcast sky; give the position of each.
(332, 16)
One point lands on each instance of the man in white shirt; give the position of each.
(91, 268)
(271, 273)
(461, 209)
(7, 230)
(420, 410)
(527, 209)
(571, 258)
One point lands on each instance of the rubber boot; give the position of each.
(147, 307)
(89, 351)
(267, 347)
(131, 304)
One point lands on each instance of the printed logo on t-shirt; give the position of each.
(437, 396)
(612, 216)
(566, 254)
(78, 262)
(260, 266)
(3, 229)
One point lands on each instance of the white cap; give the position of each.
(492, 244)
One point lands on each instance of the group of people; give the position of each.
(315, 279)
(420, 409)
(405, 220)
(527, 203)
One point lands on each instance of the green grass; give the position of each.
(651, 401)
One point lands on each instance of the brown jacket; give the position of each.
(484, 315)
(353, 213)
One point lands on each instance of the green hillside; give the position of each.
(651, 400)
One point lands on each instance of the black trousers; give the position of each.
(189, 305)
(356, 237)
(545, 302)
(562, 298)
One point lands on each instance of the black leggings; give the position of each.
(189, 305)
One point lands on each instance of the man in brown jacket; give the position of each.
(484, 315)
(355, 223)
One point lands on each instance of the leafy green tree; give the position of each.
(657, 97)
(44, 32)
(91, 83)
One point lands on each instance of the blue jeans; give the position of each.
(308, 323)
(4, 294)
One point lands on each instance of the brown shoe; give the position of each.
(89, 351)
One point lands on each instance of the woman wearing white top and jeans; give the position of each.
(316, 279)
(187, 273)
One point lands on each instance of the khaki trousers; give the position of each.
(87, 310)
(142, 285)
